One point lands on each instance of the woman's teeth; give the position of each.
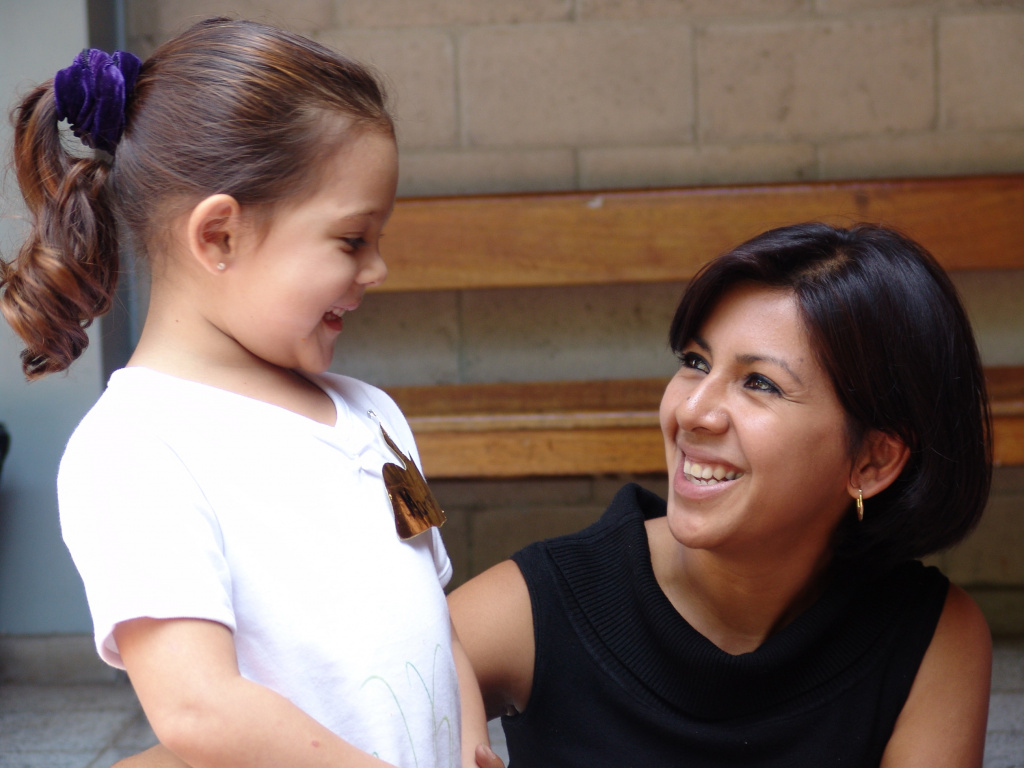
(708, 474)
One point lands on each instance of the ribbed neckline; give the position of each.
(610, 593)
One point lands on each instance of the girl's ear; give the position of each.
(881, 459)
(213, 232)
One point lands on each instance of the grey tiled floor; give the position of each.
(70, 726)
(94, 726)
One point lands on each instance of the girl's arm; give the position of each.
(942, 724)
(476, 749)
(494, 619)
(186, 676)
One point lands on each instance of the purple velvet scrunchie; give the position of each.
(91, 95)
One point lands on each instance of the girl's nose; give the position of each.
(374, 271)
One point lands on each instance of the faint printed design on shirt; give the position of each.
(445, 735)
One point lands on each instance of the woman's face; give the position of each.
(755, 438)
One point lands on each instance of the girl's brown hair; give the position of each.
(229, 106)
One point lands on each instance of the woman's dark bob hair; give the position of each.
(888, 327)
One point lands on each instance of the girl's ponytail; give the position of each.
(227, 107)
(65, 274)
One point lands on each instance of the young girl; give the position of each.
(224, 500)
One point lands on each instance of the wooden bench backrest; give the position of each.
(644, 236)
(506, 241)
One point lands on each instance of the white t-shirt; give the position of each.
(181, 500)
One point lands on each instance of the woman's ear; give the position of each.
(880, 461)
(213, 232)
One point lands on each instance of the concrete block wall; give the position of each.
(524, 95)
(535, 95)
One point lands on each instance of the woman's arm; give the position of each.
(943, 721)
(494, 620)
(186, 676)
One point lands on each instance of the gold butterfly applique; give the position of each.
(415, 507)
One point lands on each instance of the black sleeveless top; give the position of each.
(621, 679)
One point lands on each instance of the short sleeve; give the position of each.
(442, 563)
(141, 534)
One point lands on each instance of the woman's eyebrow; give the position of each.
(700, 342)
(750, 359)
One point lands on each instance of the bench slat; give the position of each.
(637, 236)
(643, 236)
(1006, 392)
(1008, 434)
(592, 427)
(530, 398)
(541, 453)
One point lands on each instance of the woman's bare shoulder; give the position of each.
(943, 721)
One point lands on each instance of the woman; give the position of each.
(827, 427)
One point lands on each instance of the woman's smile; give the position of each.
(708, 473)
(750, 418)
(700, 479)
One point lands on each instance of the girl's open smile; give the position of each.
(315, 263)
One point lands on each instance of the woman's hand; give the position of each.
(485, 758)
(154, 757)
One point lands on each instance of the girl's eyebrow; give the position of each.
(750, 359)
(355, 213)
(364, 213)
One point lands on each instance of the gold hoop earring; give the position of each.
(860, 506)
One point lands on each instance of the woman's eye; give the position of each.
(694, 361)
(762, 384)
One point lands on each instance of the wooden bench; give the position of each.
(594, 238)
